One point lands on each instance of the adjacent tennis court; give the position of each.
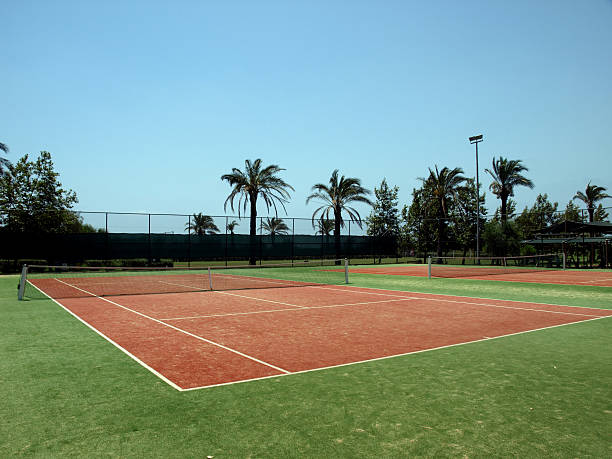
(496, 273)
(203, 328)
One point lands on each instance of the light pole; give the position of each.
(476, 140)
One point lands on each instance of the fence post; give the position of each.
(149, 239)
(564, 259)
(107, 236)
(428, 267)
(260, 240)
(189, 241)
(226, 223)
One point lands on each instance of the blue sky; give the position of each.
(144, 105)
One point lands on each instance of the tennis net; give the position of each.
(466, 267)
(39, 281)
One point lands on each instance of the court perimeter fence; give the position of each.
(133, 239)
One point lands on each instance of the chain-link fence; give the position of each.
(175, 239)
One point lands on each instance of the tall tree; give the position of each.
(444, 184)
(384, 218)
(254, 182)
(463, 215)
(601, 215)
(4, 163)
(572, 213)
(336, 198)
(32, 199)
(543, 213)
(419, 226)
(324, 226)
(510, 211)
(231, 226)
(274, 226)
(592, 194)
(506, 176)
(202, 224)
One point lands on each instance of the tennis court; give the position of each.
(560, 277)
(197, 330)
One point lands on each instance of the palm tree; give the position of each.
(274, 226)
(201, 225)
(444, 185)
(231, 226)
(591, 195)
(3, 161)
(324, 227)
(337, 197)
(252, 183)
(506, 175)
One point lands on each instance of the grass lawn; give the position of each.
(68, 392)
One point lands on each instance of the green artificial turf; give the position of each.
(68, 392)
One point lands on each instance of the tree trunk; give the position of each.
(504, 203)
(253, 232)
(337, 233)
(440, 230)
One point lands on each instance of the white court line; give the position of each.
(285, 310)
(472, 303)
(260, 299)
(400, 298)
(395, 355)
(180, 330)
(348, 289)
(594, 280)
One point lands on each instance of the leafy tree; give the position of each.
(572, 213)
(600, 214)
(419, 227)
(384, 218)
(4, 163)
(543, 213)
(324, 226)
(592, 194)
(501, 239)
(506, 176)
(32, 198)
(444, 185)
(274, 226)
(463, 215)
(254, 182)
(231, 226)
(510, 211)
(202, 225)
(336, 198)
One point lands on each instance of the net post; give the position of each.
(210, 278)
(428, 267)
(564, 261)
(22, 282)
(346, 264)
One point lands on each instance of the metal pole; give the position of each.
(477, 139)
(477, 207)
(346, 271)
(23, 279)
(149, 239)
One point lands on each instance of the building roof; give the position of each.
(568, 227)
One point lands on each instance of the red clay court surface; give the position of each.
(568, 277)
(202, 339)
